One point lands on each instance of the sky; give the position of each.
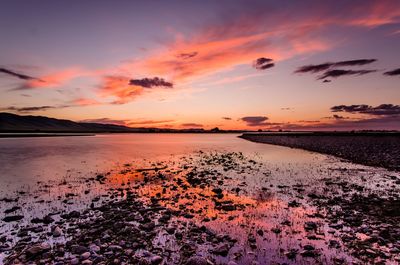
(292, 65)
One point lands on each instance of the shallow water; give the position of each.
(24, 161)
(40, 172)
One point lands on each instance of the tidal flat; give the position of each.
(193, 199)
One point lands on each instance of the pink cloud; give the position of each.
(85, 102)
(55, 79)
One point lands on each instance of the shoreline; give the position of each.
(22, 135)
(370, 149)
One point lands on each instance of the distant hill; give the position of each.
(17, 123)
(10, 123)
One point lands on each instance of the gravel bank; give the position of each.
(371, 149)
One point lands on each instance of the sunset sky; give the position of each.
(202, 64)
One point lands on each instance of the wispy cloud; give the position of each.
(148, 122)
(106, 121)
(31, 109)
(393, 72)
(340, 72)
(187, 55)
(18, 75)
(325, 66)
(85, 102)
(192, 125)
(55, 79)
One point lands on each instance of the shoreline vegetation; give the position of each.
(378, 149)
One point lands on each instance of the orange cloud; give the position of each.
(86, 102)
(119, 87)
(242, 39)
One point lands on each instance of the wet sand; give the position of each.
(372, 149)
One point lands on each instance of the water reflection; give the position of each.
(262, 202)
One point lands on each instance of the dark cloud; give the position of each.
(149, 122)
(383, 109)
(227, 118)
(325, 66)
(326, 81)
(30, 109)
(263, 63)
(151, 82)
(192, 125)
(18, 75)
(187, 55)
(255, 120)
(314, 68)
(354, 62)
(335, 73)
(307, 121)
(338, 117)
(393, 72)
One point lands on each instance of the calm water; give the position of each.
(24, 161)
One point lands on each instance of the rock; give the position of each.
(37, 249)
(217, 190)
(74, 214)
(74, 261)
(310, 226)
(309, 247)
(12, 218)
(291, 254)
(85, 255)
(148, 226)
(156, 260)
(309, 251)
(197, 260)
(228, 207)
(48, 219)
(294, 204)
(13, 209)
(251, 238)
(334, 243)
(57, 231)
(276, 230)
(115, 248)
(94, 248)
(222, 249)
(87, 262)
(79, 249)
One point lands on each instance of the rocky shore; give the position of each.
(372, 149)
(213, 208)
